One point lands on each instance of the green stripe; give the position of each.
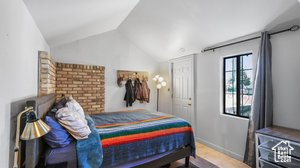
(144, 130)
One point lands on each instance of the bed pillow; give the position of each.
(73, 105)
(58, 136)
(74, 123)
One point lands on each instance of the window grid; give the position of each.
(237, 68)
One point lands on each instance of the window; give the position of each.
(238, 84)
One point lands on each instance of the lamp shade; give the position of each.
(34, 128)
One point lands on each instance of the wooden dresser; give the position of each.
(280, 140)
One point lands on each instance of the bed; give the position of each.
(129, 139)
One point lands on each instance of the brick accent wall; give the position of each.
(84, 82)
(47, 74)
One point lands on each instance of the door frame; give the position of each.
(193, 77)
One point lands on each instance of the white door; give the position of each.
(183, 88)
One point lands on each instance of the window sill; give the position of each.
(236, 117)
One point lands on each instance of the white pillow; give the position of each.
(73, 105)
(74, 123)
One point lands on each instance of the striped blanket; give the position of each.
(128, 136)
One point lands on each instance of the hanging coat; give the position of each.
(145, 91)
(137, 89)
(129, 95)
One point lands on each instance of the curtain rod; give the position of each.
(293, 28)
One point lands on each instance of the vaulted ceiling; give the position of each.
(164, 29)
(64, 21)
(171, 28)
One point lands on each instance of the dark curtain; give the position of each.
(262, 103)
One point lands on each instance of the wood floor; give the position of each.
(218, 158)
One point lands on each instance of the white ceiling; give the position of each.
(63, 21)
(163, 27)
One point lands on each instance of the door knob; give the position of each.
(190, 104)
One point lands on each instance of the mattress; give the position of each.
(68, 154)
(131, 136)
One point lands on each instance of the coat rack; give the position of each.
(123, 75)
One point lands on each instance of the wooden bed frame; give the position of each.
(35, 148)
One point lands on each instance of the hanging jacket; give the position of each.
(145, 91)
(137, 89)
(129, 95)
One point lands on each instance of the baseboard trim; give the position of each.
(220, 149)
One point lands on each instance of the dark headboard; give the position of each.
(35, 148)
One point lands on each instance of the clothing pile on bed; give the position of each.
(69, 123)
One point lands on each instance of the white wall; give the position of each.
(20, 40)
(115, 52)
(228, 134)
(225, 133)
(286, 79)
(164, 92)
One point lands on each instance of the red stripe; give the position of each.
(142, 136)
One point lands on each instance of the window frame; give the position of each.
(238, 87)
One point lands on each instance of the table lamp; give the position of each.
(33, 129)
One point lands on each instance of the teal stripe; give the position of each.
(145, 129)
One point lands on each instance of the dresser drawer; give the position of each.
(269, 142)
(268, 155)
(265, 164)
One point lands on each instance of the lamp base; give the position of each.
(157, 99)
